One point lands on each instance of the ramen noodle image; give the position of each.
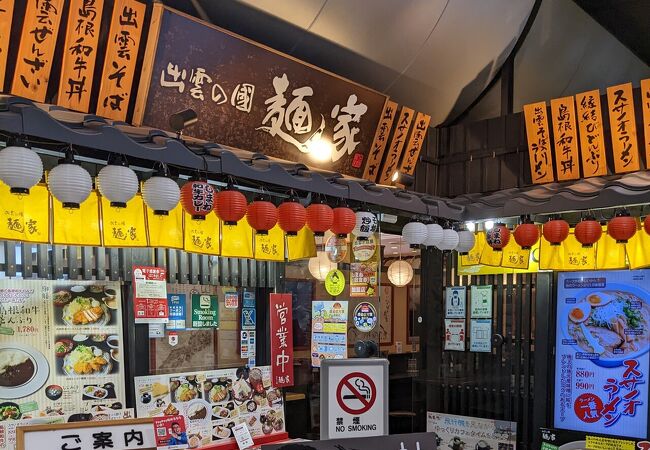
(612, 324)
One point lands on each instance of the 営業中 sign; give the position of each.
(455, 301)
(280, 311)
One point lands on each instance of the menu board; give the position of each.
(601, 367)
(214, 402)
(60, 348)
(555, 439)
(329, 328)
(462, 432)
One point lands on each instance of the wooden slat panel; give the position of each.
(6, 15)
(183, 267)
(378, 147)
(43, 261)
(414, 146)
(58, 262)
(394, 154)
(252, 267)
(204, 269)
(243, 270)
(87, 263)
(10, 258)
(73, 262)
(172, 266)
(27, 259)
(100, 262)
(114, 263)
(194, 268)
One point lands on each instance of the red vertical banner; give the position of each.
(150, 294)
(281, 340)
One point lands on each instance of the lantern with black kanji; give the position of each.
(197, 198)
(292, 216)
(344, 221)
(526, 234)
(262, 215)
(366, 224)
(498, 237)
(555, 231)
(588, 231)
(230, 205)
(622, 227)
(320, 218)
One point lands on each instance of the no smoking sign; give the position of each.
(356, 393)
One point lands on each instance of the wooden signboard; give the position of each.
(121, 55)
(36, 50)
(391, 163)
(592, 136)
(645, 106)
(379, 142)
(622, 123)
(415, 142)
(539, 143)
(6, 15)
(80, 54)
(252, 97)
(565, 133)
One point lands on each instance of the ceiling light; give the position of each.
(489, 225)
(471, 226)
(320, 150)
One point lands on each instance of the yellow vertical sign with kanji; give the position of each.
(473, 257)
(592, 134)
(202, 235)
(165, 231)
(237, 240)
(622, 124)
(637, 250)
(565, 138)
(124, 227)
(577, 257)
(515, 257)
(301, 246)
(539, 143)
(551, 257)
(610, 254)
(645, 107)
(270, 246)
(25, 217)
(77, 226)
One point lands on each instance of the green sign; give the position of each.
(205, 311)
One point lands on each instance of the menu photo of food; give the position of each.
(81, 306)
(86, 355)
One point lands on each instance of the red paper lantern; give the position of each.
(292, 216)
(320, 218)
(230, 205)
(197, 198)
(344, 221)
(622, 227)
(555, 231)
(262, 215)
(526, 235)
(646, 224)
(588, 231)
(498, 237)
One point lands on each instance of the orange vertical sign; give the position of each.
(80, 54)
(379, 142)
(6, 14)
(592, 137)
(415, 142)
(645, 106)
(396, 145)
(539, 145)
(565, 136)
(36, 50)
(121, 56)
(623, 126)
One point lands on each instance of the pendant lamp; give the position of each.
(449, 240)
(262, 215)
(498, 237)
(292, 216)
(588, 231)
(646, 224)
(161, 193)
(434, 235)
(415, 233)
(622, 227)
(20, 168)
(230, 205)
(466, 241)
(366, 224)
(344, 221)
(555, 231)
(197, 198)
(320, 266)
(400, 273)
(69, 183)
(526, 234)
(117, 182)
(320, 218)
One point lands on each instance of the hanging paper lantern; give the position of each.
(366, 224)
(434, 235)
(230, 205)
(262, 215)
(344, 221)
(118, 183)
(320, 218)
(400, 273)
(588, 231)
(69, 183)
(449, 240)
(498, 237)
(197, 198)
(646, 224)
(292, 216)
(526, 235)
(555, 231)
(320, 266)
(20, 169)
(161, 193)
(466, 240)
(622, 227)
(415, 233)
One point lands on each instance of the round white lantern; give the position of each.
(118, 184)
(434, 235)
(320, 266)
(161, 194)
(366, 224)
(400, 273)
(466, 241)
(449, 240)
(20, 168)
(69, 183)
(414, 233)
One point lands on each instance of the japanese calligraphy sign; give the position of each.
(592, 137)
(124, 227)
(539, 143)
(80, 54)
(645, 107)
(25, 218)
(397, 143)
(415, 142)
(121, 56)
(36, 50)
(623, 127)
(601, 370)
(567, 159)
(379, 142)
(281, 321)
(248, 96)
(472, 432)
(6, 15)
(65, 222)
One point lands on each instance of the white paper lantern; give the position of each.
(320, 266)
(70, 184)
(434, 235)
(366, 224)
(466, 241)
(20, 168)
(400, 273)
(415, 233)
(161, 194)
(449, 240)
(118, 184)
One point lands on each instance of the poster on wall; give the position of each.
(177, 311)
(480, 335)
(455, 302)
(214, 402)
(329, 330)
(60, 348)
(455, 334)
(461, 432)
(601, 367)
(364, 268)
(556, 439)
(280, 310)
(205, 311)
(150, 294)
(481, 302)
